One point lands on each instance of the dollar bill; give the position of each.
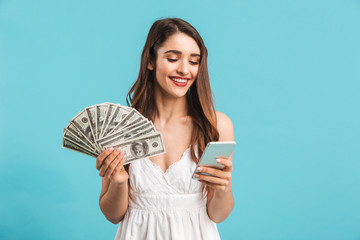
(81, 122)
(124, 134)
(100, 112)
(138, 148)
(73, 146)
(109, 111)
(90, 111)
(131, 118)
(148, 131)
(115, 118)
(134, 124)
(71, 128)
(71, 137)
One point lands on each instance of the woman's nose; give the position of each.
(183, 68)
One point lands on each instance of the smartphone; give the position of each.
(212, 151)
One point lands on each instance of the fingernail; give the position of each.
(110, 149)
(218, 160)
(199, 169)
(196, 175)
(118, 149)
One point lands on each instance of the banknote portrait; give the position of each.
(139, 149)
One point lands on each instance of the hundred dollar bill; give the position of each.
(130, 119)
(81, 122)
(138, 148)
(71, 128)
(134, 124)
(90, 111)
(109, 111)
(146, 132)
(118, 113)
(72, 146)
(126, 138)
(71, 137)
(100, 112)
(124, 134)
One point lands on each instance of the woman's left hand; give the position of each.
(220, 179)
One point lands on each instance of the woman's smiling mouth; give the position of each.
(179, 81)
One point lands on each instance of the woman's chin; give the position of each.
(176, 93)
(179, 94)
(171, 92)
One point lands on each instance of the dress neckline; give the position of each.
(171, 166)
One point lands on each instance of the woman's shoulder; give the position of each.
(225, 127)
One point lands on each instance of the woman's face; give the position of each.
(177, 65)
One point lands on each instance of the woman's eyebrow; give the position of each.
(178, 52)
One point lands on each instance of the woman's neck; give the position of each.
(170, 108)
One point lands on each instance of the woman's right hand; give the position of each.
(110, 165)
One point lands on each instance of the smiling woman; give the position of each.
(156, 198)
(176, 65)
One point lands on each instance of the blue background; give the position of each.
(286, 72)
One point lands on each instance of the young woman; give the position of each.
(156, 198)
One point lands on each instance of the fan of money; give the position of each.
(112, 125)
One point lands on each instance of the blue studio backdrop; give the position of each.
(286, 72)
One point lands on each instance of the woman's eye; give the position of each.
(175, 59)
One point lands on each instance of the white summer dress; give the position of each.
(166, 205)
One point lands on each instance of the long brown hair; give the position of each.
(199, 97)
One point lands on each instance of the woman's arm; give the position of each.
(114, 192)
(220, 201)
(113, 200)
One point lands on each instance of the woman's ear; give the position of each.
(150, 66)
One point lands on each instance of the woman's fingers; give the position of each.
(215, 186)
(212, 179)
(217, 173)
(108, 160)
(219, 179)
(225, 161)
(115, 164)
(120, 165)
(102, 156)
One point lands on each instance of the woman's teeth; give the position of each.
(179, 80)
